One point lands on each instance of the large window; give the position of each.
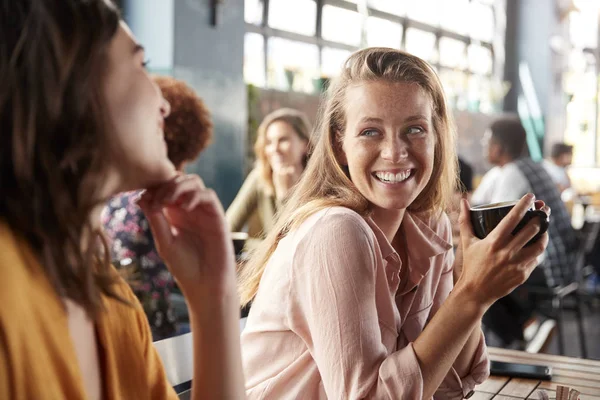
(292, 44)
(580, 83)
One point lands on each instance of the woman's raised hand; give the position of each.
(191, 235)
(496, 265)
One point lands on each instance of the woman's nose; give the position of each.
(394, 150)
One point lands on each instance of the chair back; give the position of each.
(177, 355)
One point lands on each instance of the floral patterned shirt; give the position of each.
(132, 247)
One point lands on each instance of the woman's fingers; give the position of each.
(464, 221)
(524, 235)
(159, 225)
(172, 192)
(503, 232)
(531, 252)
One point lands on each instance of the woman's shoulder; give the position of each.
(329, 223)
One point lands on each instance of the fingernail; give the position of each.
(530, 196)
(137, 197)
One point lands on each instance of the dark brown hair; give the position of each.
(558, 149)
(509, 133)
(188, 128)
(52, 130)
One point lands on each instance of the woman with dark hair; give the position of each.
(80, 121)
(281, 149)
(188, 130)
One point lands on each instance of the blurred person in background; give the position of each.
(81, 121)
(561, 157)
(187, 131)
(281, 149)
(514, 173)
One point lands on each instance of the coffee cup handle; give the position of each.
(544, 222)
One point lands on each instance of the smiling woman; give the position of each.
(360, 259)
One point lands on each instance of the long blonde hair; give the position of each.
(325, 183)
(298, 121)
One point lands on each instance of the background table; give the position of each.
(580, 374)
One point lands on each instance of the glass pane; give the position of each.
(292, 65)
(332, 61)
(452, 53)
(455, 87)
(479, 95)
(254, 60)
(341, 25)
(455, 16)
(421, 44)
(480, 59)
(298, 16)
(382, 32)
(253, 11)
(481, 23)
(583, 25)
(396, 7)
(426, 11)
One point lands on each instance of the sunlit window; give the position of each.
(382, 32)
(481, 22)
(298, 16)
(426, 11)
(583, 25)
(332, 61)
(254, 60)
(454, 15)
(480, 59)
(390, 6)
(292, 65)
(253, 11)
(341, 25)
(455, 85)
(452, 53)
(421, 44)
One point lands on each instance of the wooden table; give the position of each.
(580, 374)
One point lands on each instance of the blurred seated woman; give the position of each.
(81, 121)
(188, 130)
(356, 291)
(281, 149)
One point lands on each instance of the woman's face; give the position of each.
(283, 146)
(137, 151)
(389, 142)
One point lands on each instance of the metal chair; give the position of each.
(177, 355)
(558, 294)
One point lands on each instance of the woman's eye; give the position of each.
(415, 130)
(369, 132)
(146, 63)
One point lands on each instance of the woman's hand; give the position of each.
(191, 235)
(496, 265)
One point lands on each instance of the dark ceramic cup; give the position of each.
(486, 217)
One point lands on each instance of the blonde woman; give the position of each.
(356, 292)
(281, 154)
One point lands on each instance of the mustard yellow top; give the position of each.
(37, 357)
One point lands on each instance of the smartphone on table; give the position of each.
(541, 372)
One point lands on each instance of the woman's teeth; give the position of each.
(389, 177)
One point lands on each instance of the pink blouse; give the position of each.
(336, 314)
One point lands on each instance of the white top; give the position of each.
(499, 184)
(558, 174)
